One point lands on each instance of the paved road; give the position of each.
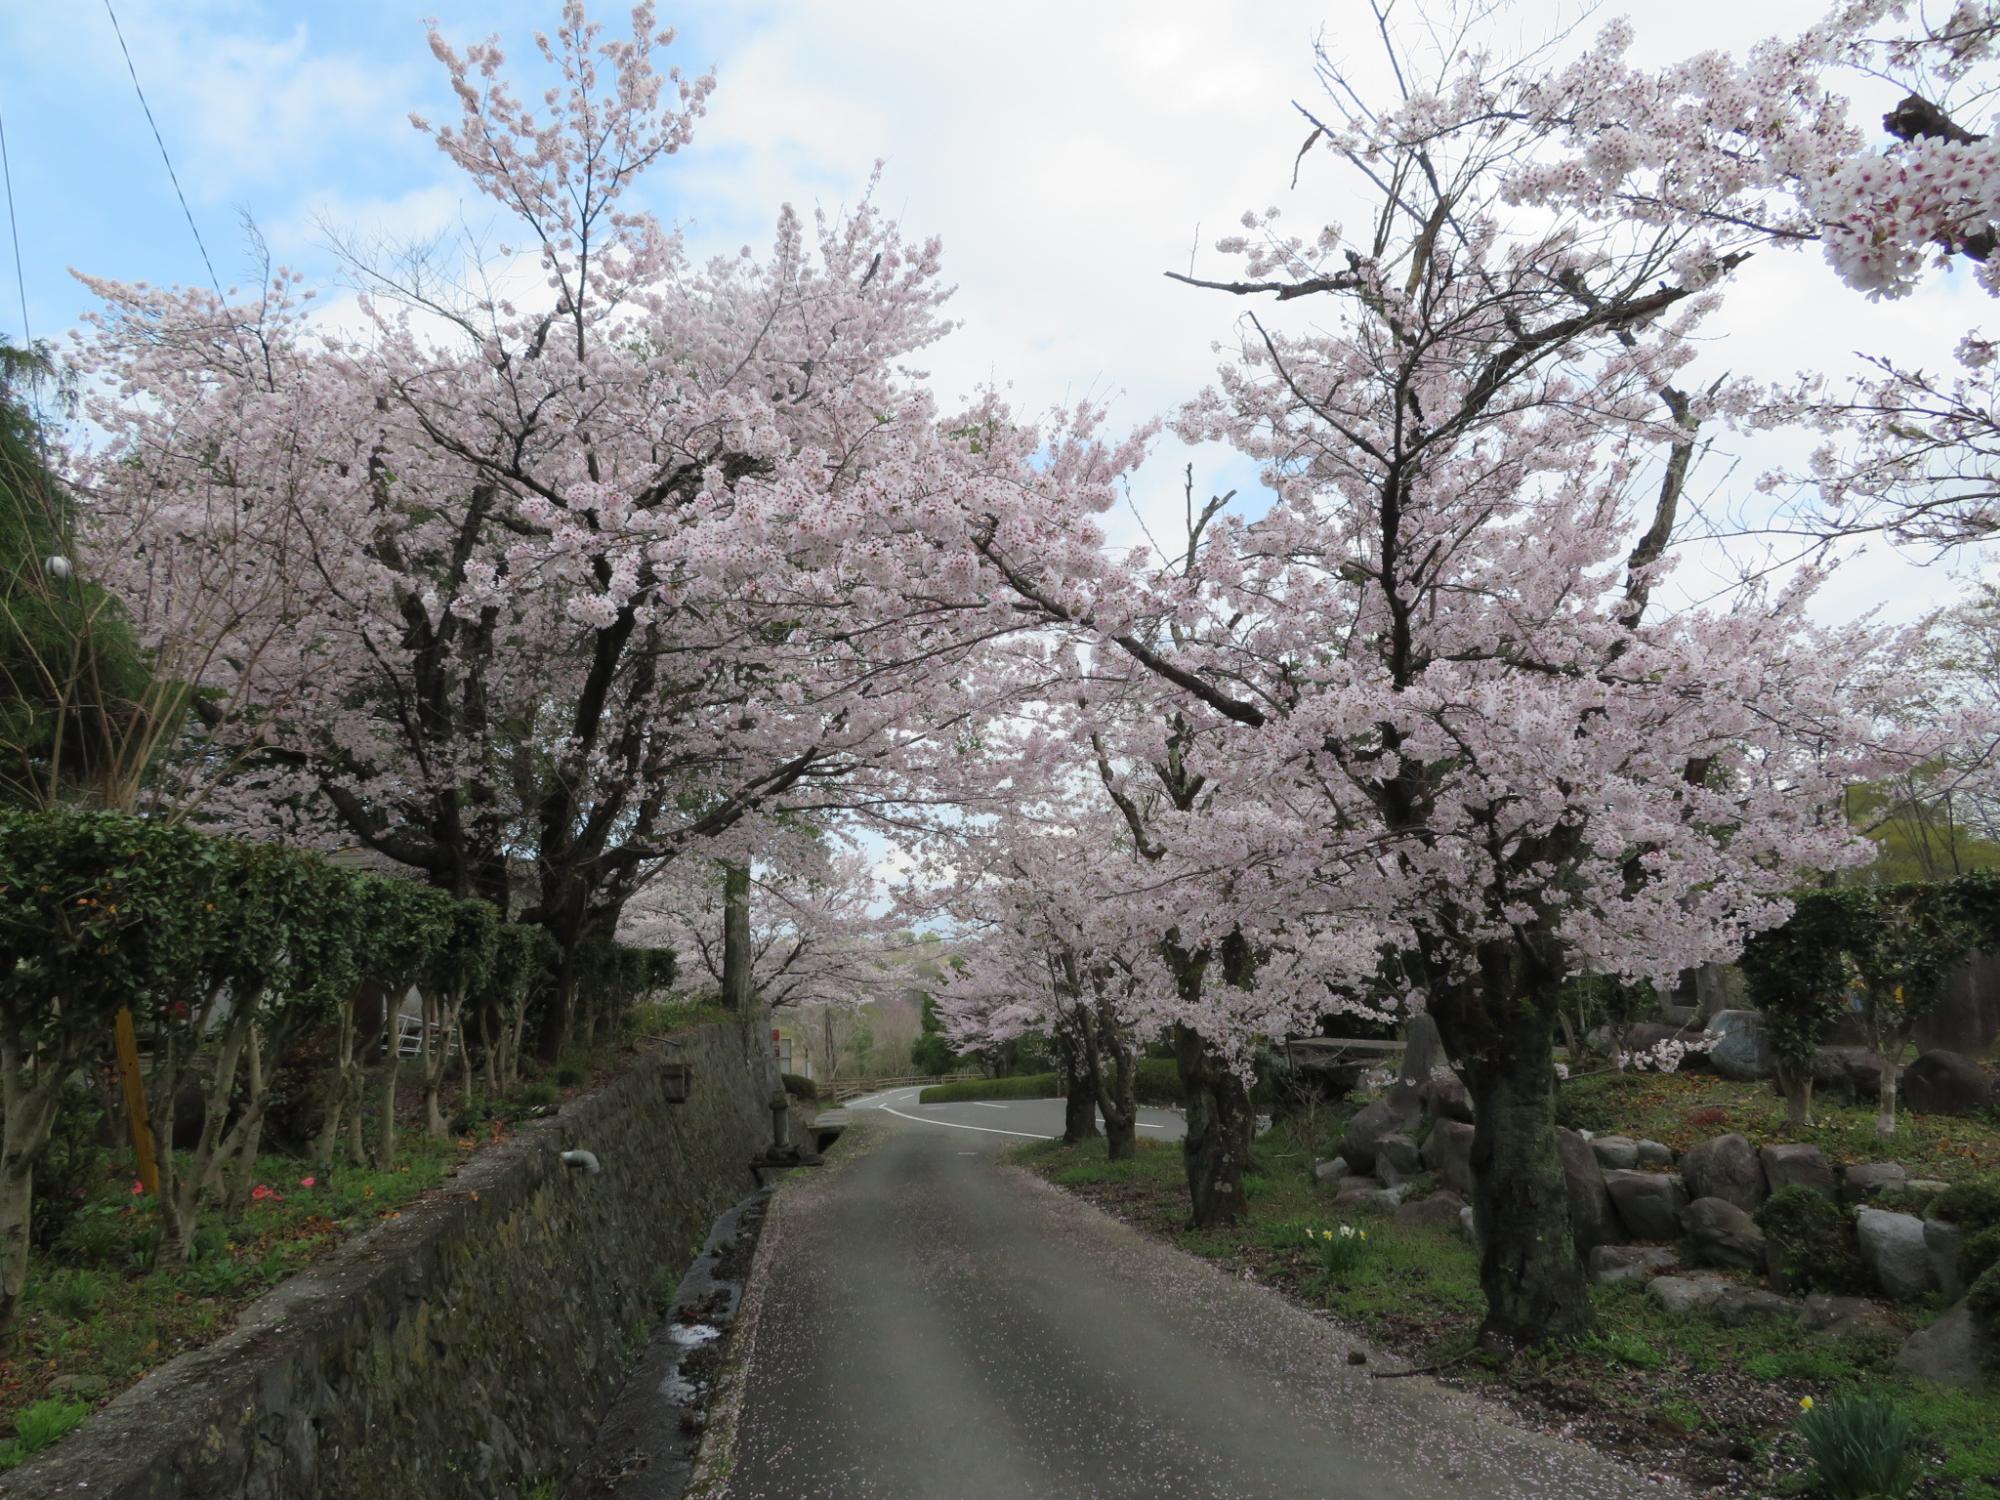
(932, 1324)
(1016, 1117)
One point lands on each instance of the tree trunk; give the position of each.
(202, 1178)
(737, 958)
(392, 1060)
(1116, 1084)
(1079, 1093)
(1216, 1149)
(1796, 1084)
(1885, 1099)
(30, 1115)
(1528, 1265)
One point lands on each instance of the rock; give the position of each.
(1378, 1200)
(1682, 1295)
(1397, 1159)
(1840, 1315)
(1952, 1351)
(1329, 1173)
(1395, 1113)
(1797, 1166)
(1447, 1099)
(1946, 1083)
(1893, 1247)
(1591, 1219)
(1439, 1211)
(1609, 1263)
(1725, 1168)
(1448, 1152)
(1423, 1051)
(1468, 1225)
(1723, 1234)
(1852, 1070)
(1648, 1204)
(1654, 1154)
(1866, 1179)
(1739, 1305)
(1740, 1051)
(1615, 1152)
(1943, 1240)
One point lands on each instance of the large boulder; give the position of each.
(1330, 1174)
(1445, 1098)
(1723, 1234)
(1439, 1211)
(1946, 1083)
(1892, 1245)
(1615, 1152)
(1953, 1351)
(1655, 1154)
(1740, 1050)
(1610, 1263)
(1592, 1220)
(1826, 1313)
(1726, 1168)
(1870, 1179)
(1648, 1204)
(1448, 1152)
(1740, 1305)
(1397, 1159)
(1856, 1071)
(1797, 1166)
(1685, 1295)
(1395, 1113)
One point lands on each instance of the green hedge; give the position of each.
(1158, 1086)
(229, 955)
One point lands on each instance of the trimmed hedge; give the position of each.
(229, 955)
(1158, 1086)
(800, 1087)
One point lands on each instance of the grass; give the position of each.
(1685, 1109)
(110, 1302)
(1646, 1383)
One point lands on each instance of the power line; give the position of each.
(172, 176)
(14, 229)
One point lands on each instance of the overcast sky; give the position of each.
(1066, 153)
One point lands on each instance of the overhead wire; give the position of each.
(160, 141)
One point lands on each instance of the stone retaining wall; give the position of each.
(464, 1350)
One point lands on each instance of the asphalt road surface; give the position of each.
(931, 1323)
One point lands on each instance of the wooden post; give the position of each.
(134, 1089)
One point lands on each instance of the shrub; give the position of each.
(71, 1164)
(1596, 1104)
(1860, 1447)
(800, 1087)
(536, 1095)
(569, 1076)
(1983, 1300)
(1021, 1086)
(1158, 1084)
(38, 1427)
(1812, 1241)
(1979, 1253)
(74, 1292)
(1971, 1205)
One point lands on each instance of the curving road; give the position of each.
(930, 1323)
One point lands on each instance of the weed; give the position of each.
(1860, 1447)
(74, 1293)
(1621, 1347)
(37, 1427)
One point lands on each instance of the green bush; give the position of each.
(800, 1087)
(1597, 1104)
(1860, 1447)
(70, 1166)
(1971, 1205)
(74, 1292)
(1021, 1086)
(1812, 1242)
(1979, 1253)
(1984, 1302)
(38, 1427)
(1159, 1083)
(536, 1096)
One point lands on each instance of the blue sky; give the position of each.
(1067, 153)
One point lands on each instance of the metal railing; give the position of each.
(840, 1090)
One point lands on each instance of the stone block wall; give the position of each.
(464, 1350)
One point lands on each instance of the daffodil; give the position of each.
(1805, 1403)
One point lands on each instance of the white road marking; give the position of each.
(984, 1105)
(1032, 1135)
(1148, 1125)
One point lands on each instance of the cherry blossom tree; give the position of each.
(1505, 762)
(594, 575)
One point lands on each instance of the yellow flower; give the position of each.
(1805, 1403)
